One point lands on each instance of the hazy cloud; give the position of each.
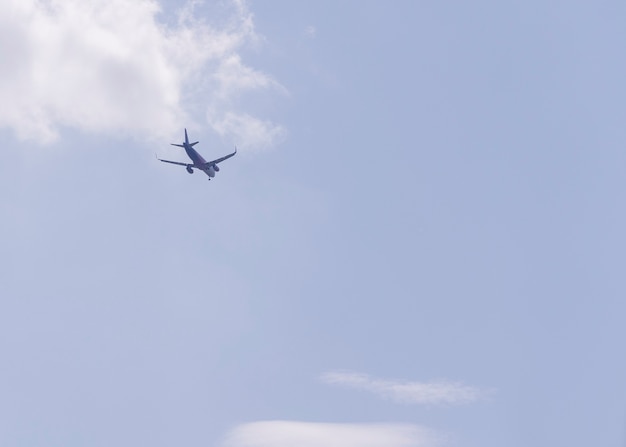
(247, 128)
(111, 66)
(437, 392)
(307, 434)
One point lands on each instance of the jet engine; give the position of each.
(216, 168)
(189, 169)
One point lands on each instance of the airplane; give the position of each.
(208, 167)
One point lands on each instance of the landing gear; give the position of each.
(189, 170)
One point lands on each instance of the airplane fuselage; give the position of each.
(199, 161)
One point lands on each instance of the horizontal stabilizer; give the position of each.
(179, 145)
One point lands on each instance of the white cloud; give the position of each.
(247, 129)
(308, 434)
(310, 31)
(438, 392)
(111, 66)
(235, 78)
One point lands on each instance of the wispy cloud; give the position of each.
(308, 434)
(437, 392)
(247, 128)
(112, 66)
(310, 31)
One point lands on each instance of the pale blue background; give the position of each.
(448, 203)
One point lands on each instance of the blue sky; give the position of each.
(419, 243)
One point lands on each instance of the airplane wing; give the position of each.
(189, 165)
(221, 159)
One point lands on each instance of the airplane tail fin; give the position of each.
(186, 143)
(187, 139)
